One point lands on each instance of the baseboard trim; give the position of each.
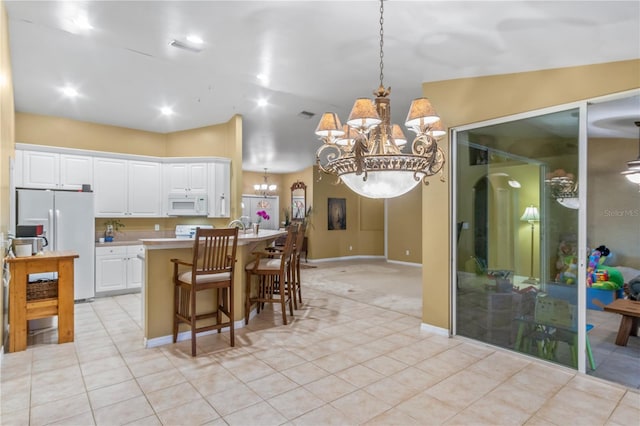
(435, 330)
(331, 259)
(399, 262)
(186, 335)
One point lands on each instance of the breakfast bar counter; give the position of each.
(158, 287)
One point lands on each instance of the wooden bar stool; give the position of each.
(273, 269)
(212, 267)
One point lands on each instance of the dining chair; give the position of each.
(212, 268)
(273, 269)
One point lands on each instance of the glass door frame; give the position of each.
(582, 213)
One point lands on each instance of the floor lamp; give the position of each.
(532, 216)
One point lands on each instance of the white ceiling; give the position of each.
(318, 56)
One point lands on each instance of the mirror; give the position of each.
(298, 201)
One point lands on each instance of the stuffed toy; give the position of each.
(567, 263)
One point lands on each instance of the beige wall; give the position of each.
(469, 100)
(613, 203)
(7, 144)
(364, 233)
(63, 132)
(405, 227)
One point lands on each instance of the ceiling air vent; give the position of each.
(306, 114)
(181, 45)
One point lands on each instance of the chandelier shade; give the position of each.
(367, 154)
(421, 113)
(329, 125)
(363, 115)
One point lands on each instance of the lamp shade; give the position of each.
(363, 115)
(530, 214)
(437, 130)
(398, 135)
(329, 125)
(421, 113)
(348, 136)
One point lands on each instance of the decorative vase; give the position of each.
(256, 227)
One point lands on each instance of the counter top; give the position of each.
(120, 243)
(45, 255)
(243, 239)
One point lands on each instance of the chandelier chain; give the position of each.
(381, 41)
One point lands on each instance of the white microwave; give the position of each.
(187, 205)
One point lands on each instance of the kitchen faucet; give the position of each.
(239, 221)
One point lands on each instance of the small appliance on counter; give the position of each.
(185, 232)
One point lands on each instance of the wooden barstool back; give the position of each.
(273, 269)
(295, 266)
(212, 267)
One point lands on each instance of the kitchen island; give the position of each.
(56, 301)
(158, 287)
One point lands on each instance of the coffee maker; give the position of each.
(31, 235)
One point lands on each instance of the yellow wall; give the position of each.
(405, 227)
(364, 238)
(7, 129)
(64, 132)
(469, 100)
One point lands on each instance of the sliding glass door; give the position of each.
(516, 248)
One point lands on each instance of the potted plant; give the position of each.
(111, 227)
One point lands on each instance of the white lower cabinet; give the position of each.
(118, 268)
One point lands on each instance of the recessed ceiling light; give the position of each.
(82, 22)
(194, 39)
(166, 111)
(69, 92)
(262, 102)
(262, 77)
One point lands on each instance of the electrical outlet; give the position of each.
(350, 248)
(156, 227)
(407, 252)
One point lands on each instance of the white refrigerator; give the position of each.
(67, 217)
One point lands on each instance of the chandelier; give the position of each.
(633, 167)
(563, 188)
(265, 188)
(366, 154)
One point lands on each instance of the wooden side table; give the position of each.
(630, 311)
(21, 310)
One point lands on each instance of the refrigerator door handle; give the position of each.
(56, 223)
(52, 231)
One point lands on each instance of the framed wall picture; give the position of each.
(298, 207)
(337, 214)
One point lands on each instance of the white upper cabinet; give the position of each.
(186, 177)
(126, 185)
(110, 187)
(219, 193)
(75, 171)
(126, 188)
(145, 187)
(50, 170)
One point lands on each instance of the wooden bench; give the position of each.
(630, 311)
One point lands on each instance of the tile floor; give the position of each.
(341, 361)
